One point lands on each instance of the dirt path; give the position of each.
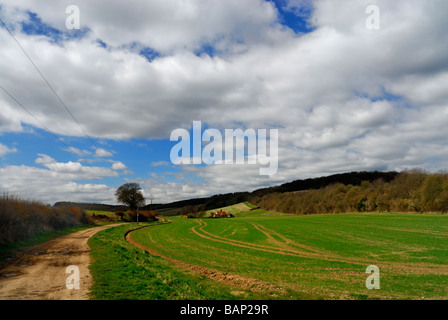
(39, 272)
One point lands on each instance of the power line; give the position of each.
(35, 118)
(46, 128)
(54, 92)
(47, 82)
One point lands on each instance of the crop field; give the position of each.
(239, 209)
(308, 257)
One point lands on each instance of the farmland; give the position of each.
(277, 256)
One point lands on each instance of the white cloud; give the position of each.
(50, 186)
(160, 163)
(4, 150)
(78, 152)
(344, 97)
(74, 170)
(119, 166)
(159, 24)
(45, 160)
(102, 153)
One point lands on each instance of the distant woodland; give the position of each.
(408, 191)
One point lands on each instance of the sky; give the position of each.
(84, 110)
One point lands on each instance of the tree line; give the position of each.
(228, 199)
(409, 191)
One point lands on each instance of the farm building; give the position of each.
(221, 214)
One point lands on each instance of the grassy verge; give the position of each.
(121, 271)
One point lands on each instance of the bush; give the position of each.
(24, 219)
(147, 216)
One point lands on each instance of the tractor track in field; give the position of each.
(287, 244)
(284, 248)
(279, 248)
(242, 282)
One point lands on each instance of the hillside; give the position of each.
(228, 199)
(410, 191)
(223, 200)
(90, 206)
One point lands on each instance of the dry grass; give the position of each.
(24, 219)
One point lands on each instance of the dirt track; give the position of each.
(39, 272)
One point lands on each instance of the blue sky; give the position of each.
(342, 96)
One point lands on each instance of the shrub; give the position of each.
(23, 219)
(148, 216)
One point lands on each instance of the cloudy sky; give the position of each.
(344, 96)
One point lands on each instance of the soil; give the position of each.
(39, 272)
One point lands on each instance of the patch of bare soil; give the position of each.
(39, 272)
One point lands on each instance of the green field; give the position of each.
(308, 257)
(122, 271)
(240, 209)
(107, 213)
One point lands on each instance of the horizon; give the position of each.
(90, 93)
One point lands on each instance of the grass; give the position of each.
(97, 212)
(319, 256)
(124, 272)
(100, 212)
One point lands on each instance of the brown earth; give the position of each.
(39, 272)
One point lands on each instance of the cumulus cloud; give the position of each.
(102, 153)
(74, 170)
(162, 25)
(4, 150)
(119, 166)
(50, 186)
(343, 97)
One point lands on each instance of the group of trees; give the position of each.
(194, 211)
(409, 191)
